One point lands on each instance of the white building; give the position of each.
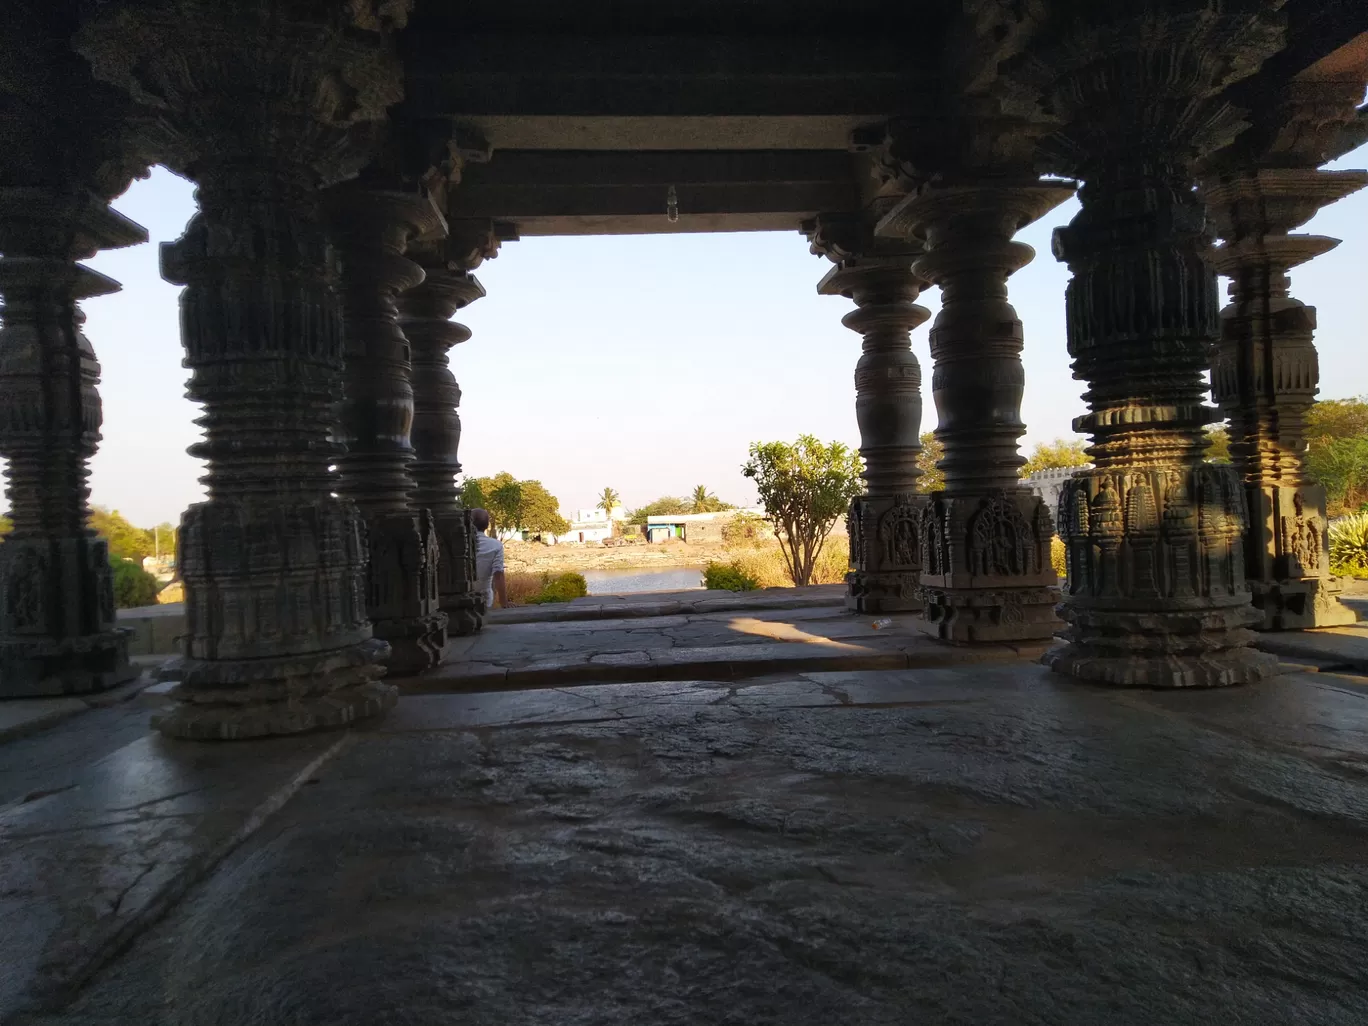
(591, 526)
(1048, 483)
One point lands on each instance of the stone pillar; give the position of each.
(986, 572)
(57, 628)
(425, 315)
(274, 563)
(1156, 591)
(883, 523)
(371, 228)
(1265, 379)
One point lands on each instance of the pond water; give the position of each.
(627, 582)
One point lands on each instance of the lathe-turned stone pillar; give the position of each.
(883, 523)
(370, 229)
(57, 628)
(1265, 379)
(425, 316)
(1156, 593)
(274, 564)
(986, 573)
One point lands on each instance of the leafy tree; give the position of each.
(932, 451)
(1059, 453)
(607, 499)
(1218, 444)
(666, 505)
(506, 506)
(125, 540)
(1337, 451)
(166, 538)
(541, 509)
(514, 504)
(6, 525)
(133, 586)
(804, 487)
(472, 493)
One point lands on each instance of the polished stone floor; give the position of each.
(981, 844)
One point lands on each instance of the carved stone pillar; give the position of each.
(273, 563)
(1265, 379)
(371, 229)
(883, 523)
(986, 573)
(57, 629)
(1156, 590)
(425, 315)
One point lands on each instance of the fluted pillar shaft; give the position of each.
(425, 315)
(370, 229)
(57, 628)
(986, 573)
(882, 523)
(1265, 379)
(274, 563)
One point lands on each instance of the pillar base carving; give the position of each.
(986, 573)
(402, 582)
(1291, 583)
(885, 549)
(456, 573)
(277, 640)
(233, 700)
(1156, 589)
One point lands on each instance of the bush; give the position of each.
(1057, 557)
(728, 577)
(1349, 545)
(133, 586)
(561, 588)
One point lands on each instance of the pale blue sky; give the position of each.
(647, 363)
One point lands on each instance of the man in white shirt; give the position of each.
(489, 562)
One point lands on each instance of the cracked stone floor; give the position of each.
(978, 844)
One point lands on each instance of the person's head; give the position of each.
(480, 518)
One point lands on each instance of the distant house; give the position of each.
(693, 527)
(591, 526)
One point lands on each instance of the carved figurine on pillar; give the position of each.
(57, 629)
(274, 564)
(884, 523)
(1156, 593)
(1266, 374)
(425, 316)
(370, 228)
(987, 574)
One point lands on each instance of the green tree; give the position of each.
(125, 540)
(666, 505)
(804, 487)
(506, 506)
(1337, 451)
(932, 451)
(166, 538)
(6, 525)
(1059, 453)
(133, 586)
(1218, 444)
(541, 509)
(607, 499)
(472, 494)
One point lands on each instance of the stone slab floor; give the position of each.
(984, 844)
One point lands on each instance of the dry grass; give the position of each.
(523, 586)
(765, 563)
